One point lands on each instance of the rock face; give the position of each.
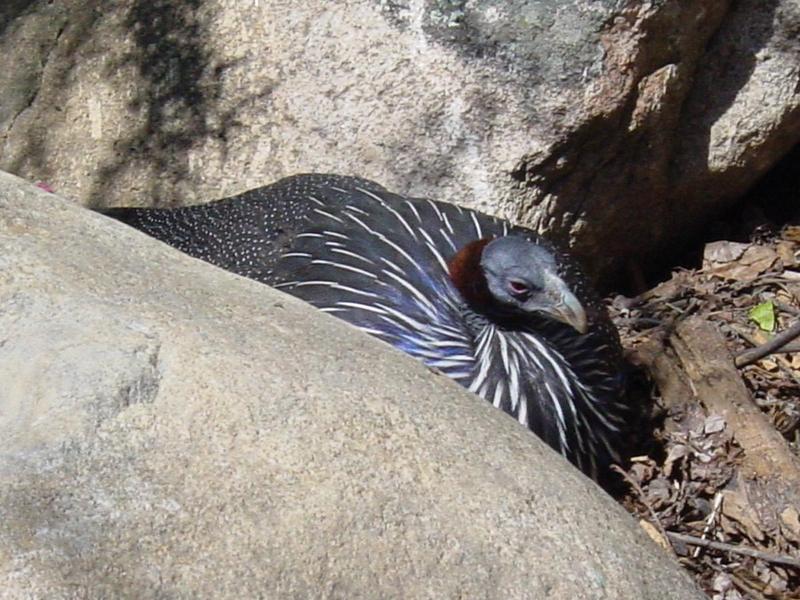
(172, 430)
(619, 127)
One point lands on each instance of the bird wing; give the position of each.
(379, 261)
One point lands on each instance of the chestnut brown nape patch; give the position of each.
(466, 273)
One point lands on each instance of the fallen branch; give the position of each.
(718, 385)
(665, 370)
(789, 348)
(787, 308)
(743, 550)
(748, 357)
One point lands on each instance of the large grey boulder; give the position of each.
(620, 126)
(170, 430)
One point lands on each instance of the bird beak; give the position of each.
(566, 308)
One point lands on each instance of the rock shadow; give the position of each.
(729, 62)
(178, 98)
(175, 104)
(11, 9)
(53, 46)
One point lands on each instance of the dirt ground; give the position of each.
(717, 352)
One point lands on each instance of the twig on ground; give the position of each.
(743, 550)
(710, 520)
(789, 348)
(787, 308)
(748, 357)
(781, 362)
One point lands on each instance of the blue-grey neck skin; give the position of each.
(380, 262)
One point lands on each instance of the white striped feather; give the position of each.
(326, 214)
(397, 215)
(566, 396)
(343, 266)
(352, 255)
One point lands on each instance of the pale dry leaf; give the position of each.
(754, 261)
(786, 252)
(759, 335)
(791, 275)
(723, 251)
(722, 582)
(655, 535)
(675, 453)
(736, 507)
(768, 364)
(776, 585)
(790, 523)
(714, 424)
(791, 233)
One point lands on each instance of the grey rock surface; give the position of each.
(618, 127)
(171, 430)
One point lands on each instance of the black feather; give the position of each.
(378, 260)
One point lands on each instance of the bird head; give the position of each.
(516, 276)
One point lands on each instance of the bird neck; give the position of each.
(467, 275)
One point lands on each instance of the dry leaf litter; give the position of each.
(737, 530)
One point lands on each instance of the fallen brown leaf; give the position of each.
(790, 523)
(768, 365)
(791, 233)
(723, 251)
(655, 534)
(746, 267)
(736, 507)
(786, 252)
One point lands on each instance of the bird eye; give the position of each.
(518, 288)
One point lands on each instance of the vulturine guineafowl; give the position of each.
(493, 306)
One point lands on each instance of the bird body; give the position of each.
(492, 305)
